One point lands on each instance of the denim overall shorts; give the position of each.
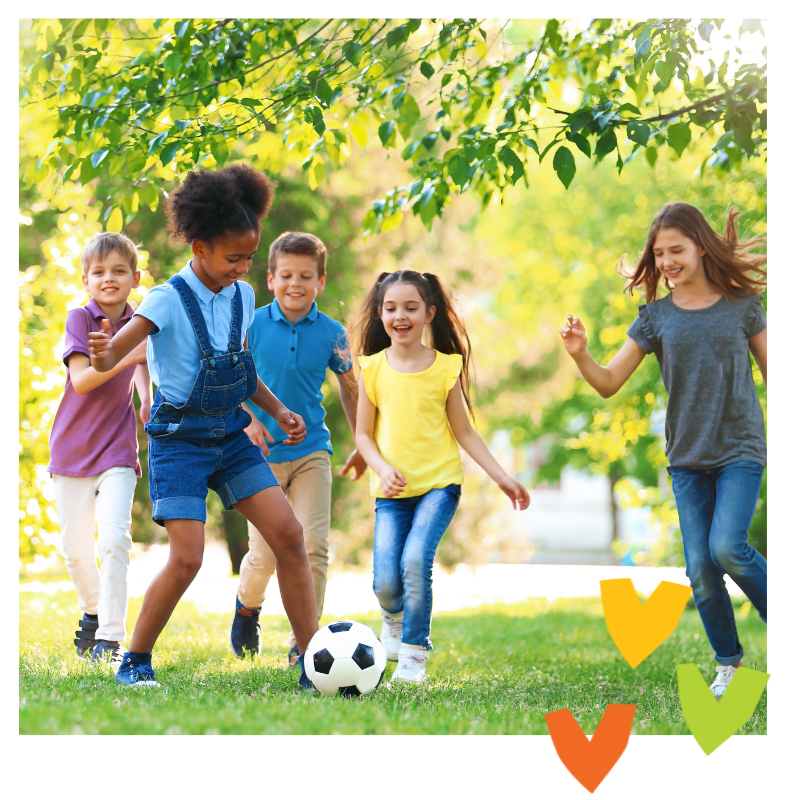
(201, 444)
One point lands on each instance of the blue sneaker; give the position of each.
(136, 670)
(304, 681)
(106, 649)
(245, 631)
(294, 657)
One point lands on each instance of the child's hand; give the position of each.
(574, 335)
(259, 434)
(293, 424)
(355, 462)
(144, 411)
(392, 481)
(99, 342)
(516, 491)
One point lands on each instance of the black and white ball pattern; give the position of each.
(345, 658)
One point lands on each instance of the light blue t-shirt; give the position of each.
(173, 352)
(291, 358)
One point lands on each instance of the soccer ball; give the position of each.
(345, 658)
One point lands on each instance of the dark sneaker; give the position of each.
(105, 649)
(304, 681)
(294, 657)
(85, 640)
(136, 670)
(245, 631)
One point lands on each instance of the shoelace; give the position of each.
(395, 627)
(411, 660)
(726, 674)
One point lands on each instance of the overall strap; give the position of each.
(235, 343)
(195, 314)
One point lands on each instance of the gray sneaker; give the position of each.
(724, 677)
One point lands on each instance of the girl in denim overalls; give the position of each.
(198, 355)
(411, 414)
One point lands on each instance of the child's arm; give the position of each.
(392, 481)
(291, 422)
(471, 441)
(758, 344)
(143, 386)
(606, 381)
(348, 392)
(84, 377)
(257, 432)
(106, 352)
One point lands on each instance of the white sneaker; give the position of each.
(411, 664)
(724, 678)
(392, 634)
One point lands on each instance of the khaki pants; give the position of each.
(307, 484)
(106, 497)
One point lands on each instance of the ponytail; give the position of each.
(448, 334)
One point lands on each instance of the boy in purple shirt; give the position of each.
(94, 451)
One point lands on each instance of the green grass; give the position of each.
(496, 669)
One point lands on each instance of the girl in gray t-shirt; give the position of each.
(702, 333)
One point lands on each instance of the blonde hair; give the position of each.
(104, 243)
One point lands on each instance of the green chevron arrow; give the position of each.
(712, 722)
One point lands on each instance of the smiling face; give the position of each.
(227, 260)
(404, 314)
(296, 283)
(109, 281)
(679, 257)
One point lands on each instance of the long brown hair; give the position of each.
(728, 263)
(448, 333)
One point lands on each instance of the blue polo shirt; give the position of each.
(291, 359)
(173, 352)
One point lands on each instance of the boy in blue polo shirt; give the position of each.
(293, 344)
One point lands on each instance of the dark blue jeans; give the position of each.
(716, 507)
(407, 532)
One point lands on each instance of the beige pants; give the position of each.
(307, 484)
(108, 498)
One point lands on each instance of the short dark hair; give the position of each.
(298, 243)
(209, 205)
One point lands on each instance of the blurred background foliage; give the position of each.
(516, 270)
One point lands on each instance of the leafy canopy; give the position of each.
(464, 106)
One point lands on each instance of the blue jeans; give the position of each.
(716, 507)
(407, 532)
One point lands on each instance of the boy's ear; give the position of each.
(270, 280)
(321, 283)
(137, 276)
(85, 282)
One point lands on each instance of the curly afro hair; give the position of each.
(210, 205)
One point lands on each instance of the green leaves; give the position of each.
(564, 165)
(387, 134)
(639, 132)
(458, 169)
(512, 161)
(352, 52)
(605, 144)
(427, 70)
(97, 157)
(679, 135)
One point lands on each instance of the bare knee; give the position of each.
(289, 542)
(186, 565)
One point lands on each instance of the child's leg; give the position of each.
(738, 486)
(393, 518)
(696, 498)
(186, 542)
(75, 504)
(432, 515)
(114, 499)
(270, 512)
(310, 496)
(258, 565)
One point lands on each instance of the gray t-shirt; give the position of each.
(713, 414)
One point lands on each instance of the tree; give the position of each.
(129, 98)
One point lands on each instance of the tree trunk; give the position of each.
(614, 474)
(235, 527)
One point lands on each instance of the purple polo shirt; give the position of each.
(95, 431)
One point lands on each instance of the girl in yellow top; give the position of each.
(411, 414)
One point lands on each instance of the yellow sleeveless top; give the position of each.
(412, 432)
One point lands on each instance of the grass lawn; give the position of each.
(496, 669)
